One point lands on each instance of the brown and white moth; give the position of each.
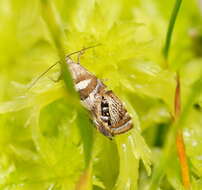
(108, 112)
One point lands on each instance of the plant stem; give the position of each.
(179, 138)
(177, 102)
(57, 34)
(84, 182)
(159, 171)
(170, 28)
(183, 160)
(51, 19)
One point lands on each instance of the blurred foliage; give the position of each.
(47, 140)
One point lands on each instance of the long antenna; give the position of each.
(42, 74)
(83, 49)
(49, 68)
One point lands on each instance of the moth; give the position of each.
(107, 111)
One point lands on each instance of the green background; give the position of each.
(47, 140)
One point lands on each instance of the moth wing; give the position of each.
(116, 108)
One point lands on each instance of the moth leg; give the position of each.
(68, 59)
(105, 80)
(79, 56)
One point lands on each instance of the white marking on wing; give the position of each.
(104, 118)
(93, 96)
(83, 84)
(123, 126)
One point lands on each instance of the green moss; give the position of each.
(47, 140)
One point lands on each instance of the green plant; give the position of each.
(46, 138)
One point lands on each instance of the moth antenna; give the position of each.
(49, 68)
(41, 75)
(83, 49)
